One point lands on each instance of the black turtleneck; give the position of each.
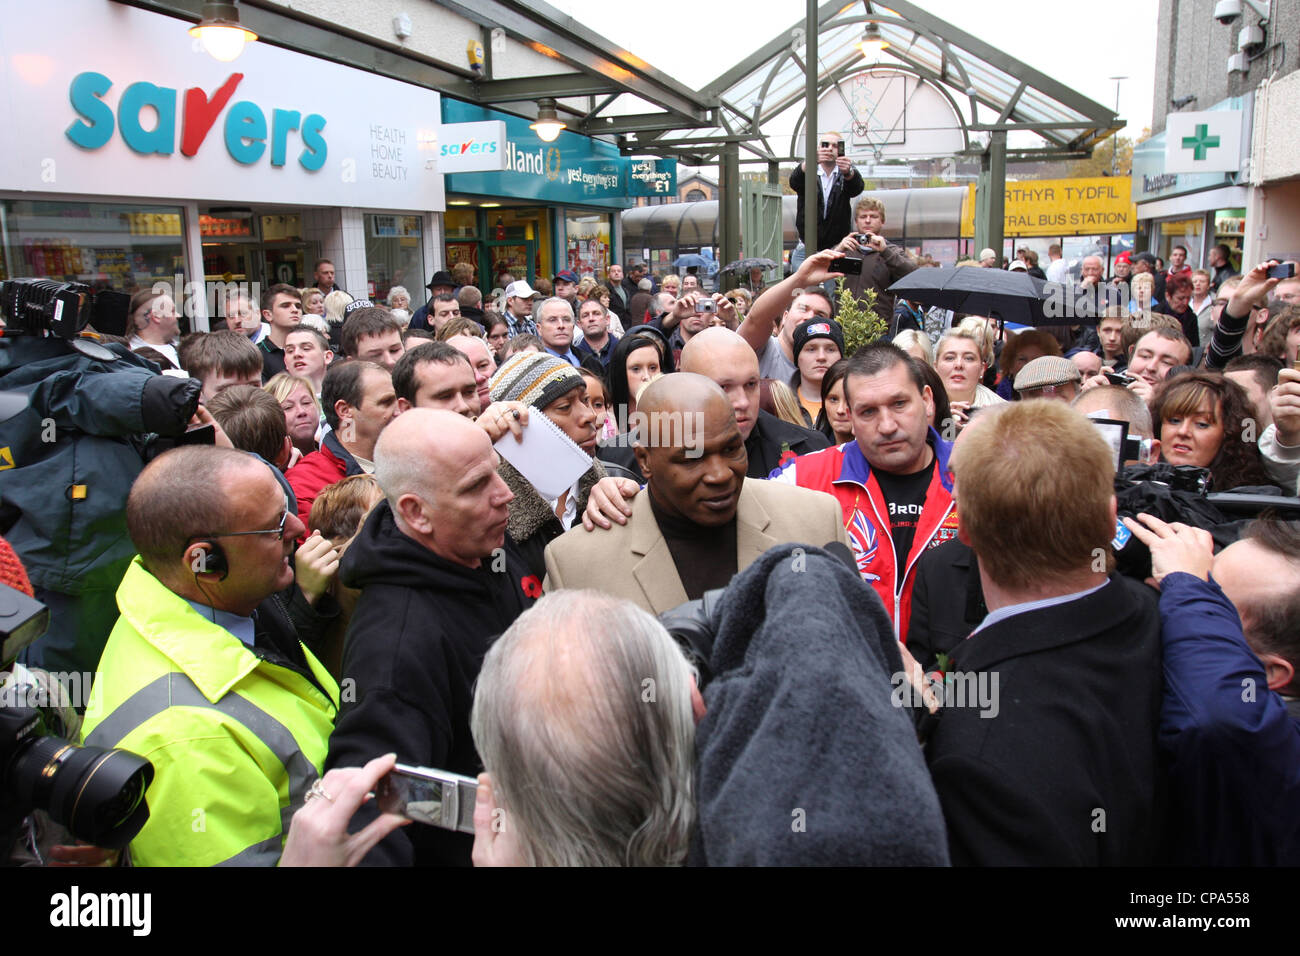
(705, 557)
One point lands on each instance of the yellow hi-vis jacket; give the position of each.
(235, 740)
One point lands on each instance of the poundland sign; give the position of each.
(573, 168)
(274, 126)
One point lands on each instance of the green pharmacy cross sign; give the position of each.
(1201, 143)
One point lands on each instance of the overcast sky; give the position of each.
(1080, 45)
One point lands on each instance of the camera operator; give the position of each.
(94, 417)
(883, 264)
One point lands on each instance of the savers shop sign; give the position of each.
(274, 126)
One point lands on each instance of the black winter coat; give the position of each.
(1064, 769)
(947, 602)
(413, 651)
(838, 219)
(880, 270)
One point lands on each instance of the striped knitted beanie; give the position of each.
(534, 378)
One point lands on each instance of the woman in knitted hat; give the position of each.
(558, 389)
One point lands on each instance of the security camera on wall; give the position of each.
(1227, 11)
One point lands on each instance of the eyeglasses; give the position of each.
(278, 531)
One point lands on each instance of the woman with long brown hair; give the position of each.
(1203, 419)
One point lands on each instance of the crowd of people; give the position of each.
(304, 558)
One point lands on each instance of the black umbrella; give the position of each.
(1009, 296)
(744, 265)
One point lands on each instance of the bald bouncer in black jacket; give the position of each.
(413, 650)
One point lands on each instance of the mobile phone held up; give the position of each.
(846, 266)
(436, 797)
(1284, 270)
(838, 147)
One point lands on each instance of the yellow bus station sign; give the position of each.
(1062, 207)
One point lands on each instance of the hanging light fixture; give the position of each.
(220, 32)
(548, 123)
(872, 43)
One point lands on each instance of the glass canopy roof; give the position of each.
(990, 90)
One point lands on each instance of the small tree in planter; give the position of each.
(857, 316)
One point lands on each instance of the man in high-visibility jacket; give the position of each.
(203, 674)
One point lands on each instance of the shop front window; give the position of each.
(587, 242)
(1230, 229)
(525, 226)
(460, 223)
(107, 246)
(509, 262)
(394, 255)
(502, 243)
(1180, 232)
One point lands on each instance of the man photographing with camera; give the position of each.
(837, 183)
(882, 264)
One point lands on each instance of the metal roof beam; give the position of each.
(953, 45)
(1011, 103)
(641, 122)
(331, 42)
(531, 87)
(1007, 64)
(703, 141)
(551, 33)
(687, 159)
(772, 48)
(598, 108)
(1033, 127)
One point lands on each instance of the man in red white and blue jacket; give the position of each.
(892, 482)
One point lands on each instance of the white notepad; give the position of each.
(547, 457)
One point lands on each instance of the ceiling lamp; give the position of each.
(872, 43)
(548, 123)
(220, 32)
